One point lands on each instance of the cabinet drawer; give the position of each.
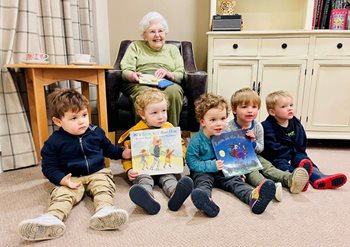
(284, 46)
(332, 46)
(236, 47)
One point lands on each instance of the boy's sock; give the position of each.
(108, 218)
(202, 201)
(262, 195)
(279, 192)
(183, 189)
(307, 165)
(330, 182)
(45, 226)
(299, 181)
(143, 199)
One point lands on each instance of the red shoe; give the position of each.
(307, 165)
(330, 182)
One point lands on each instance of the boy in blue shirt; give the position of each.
(73, 160)
(206, 170)
(285, 142)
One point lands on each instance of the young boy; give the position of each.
(152, 107)
(73, 160)
(285, 142)
(206, 170)
(245, 104)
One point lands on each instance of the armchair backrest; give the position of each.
(185, 48)
(119, 107)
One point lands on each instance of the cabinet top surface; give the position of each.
(280, 32)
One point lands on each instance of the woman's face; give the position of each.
(155, 35)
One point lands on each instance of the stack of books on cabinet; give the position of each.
(330, 14)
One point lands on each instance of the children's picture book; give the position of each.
(237, 152)
(338, 19)
(151, 80)
(157, 151)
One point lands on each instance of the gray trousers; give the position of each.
(167, 182)
(235, 185)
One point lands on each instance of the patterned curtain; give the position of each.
(59, 28)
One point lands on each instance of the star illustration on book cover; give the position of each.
(237, 152)
(157, 151)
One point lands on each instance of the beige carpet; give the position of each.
(313, 218)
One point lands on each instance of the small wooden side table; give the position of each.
(40, 75)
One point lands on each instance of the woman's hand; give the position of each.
(162, 73)
(132, 175)
(134, 76)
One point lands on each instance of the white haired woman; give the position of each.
(152, 56)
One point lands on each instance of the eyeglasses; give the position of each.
(154, 32)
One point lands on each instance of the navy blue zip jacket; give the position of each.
(64, 153)
(279, 147)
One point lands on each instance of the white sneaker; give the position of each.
(45, 226)
(279, 191)
(108, 218)
(300, 178)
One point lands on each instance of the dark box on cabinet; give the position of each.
(227, 23)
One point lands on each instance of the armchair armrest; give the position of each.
(113, 79)
(187, 54)
(196, 85)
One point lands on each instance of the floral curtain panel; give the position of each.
(59, 28)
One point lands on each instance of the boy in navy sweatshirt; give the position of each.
(73, 160)
(285, 142)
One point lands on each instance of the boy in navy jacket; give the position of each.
(285, 142)
(73, 160)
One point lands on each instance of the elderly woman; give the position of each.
(152, 56)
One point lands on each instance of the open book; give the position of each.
(237, 152)
(157, 151)
(151, 80)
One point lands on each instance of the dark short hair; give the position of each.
(63, 100)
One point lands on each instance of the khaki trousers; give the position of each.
(100, 186)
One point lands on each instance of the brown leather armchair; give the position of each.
(120, 108)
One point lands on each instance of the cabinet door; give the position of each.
(286, 75)
(231, 75)
(329, 98)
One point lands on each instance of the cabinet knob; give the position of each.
(235, 46)
(284, 46)
(339, 45)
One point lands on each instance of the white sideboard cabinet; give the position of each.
(314, 66)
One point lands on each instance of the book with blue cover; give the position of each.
(157, 151)
(151, 80)
(237, 152)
